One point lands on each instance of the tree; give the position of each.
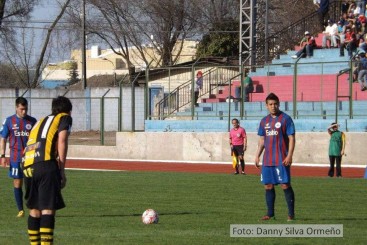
(221, 41)
(169, 21)
(152, 28)
(9, 77)
(20, 53)
(10, 9)
(219, 22)
(73, 76)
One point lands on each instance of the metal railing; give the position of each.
(289, 37)
(180, 98)
(292, 83)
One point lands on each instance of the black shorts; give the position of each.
(238, 150)
(43, 189)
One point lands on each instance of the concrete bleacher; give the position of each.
(302, 125)
(316, 96)
(316, 79)
(310, 117)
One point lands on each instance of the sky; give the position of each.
(46, 11)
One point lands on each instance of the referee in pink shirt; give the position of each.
(238, 143)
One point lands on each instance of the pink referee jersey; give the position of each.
(237, 136)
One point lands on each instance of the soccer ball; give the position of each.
(150, 217)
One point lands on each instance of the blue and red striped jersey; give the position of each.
(276, 141)
(17, 130)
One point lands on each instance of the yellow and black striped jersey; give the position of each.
(42, 141)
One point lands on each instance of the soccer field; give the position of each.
(194, 208)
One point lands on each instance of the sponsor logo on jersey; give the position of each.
(21, 133)
(271, 132)
(31, 155)
(15, 127)
(267, 125)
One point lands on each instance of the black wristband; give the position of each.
(2, 156)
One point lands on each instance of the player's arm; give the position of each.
(62, 148)
(330, 128)
(292, 142)
(260, 148)
(2, 151)
(244, 141)
(343, 144)
(230, 140)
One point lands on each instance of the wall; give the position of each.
(214, 147)
(86, 106)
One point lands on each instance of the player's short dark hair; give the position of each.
(61, 104)
(272, 96)
(21, 101)
(235, 119)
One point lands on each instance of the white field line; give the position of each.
(202, 162)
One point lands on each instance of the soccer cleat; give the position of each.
(236, 173)
(267, 217)
(290, 218)
(243, 172)
(20, 214)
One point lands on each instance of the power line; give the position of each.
(73, 28)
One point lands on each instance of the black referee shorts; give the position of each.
(238, 150)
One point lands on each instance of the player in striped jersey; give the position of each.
(16, 128)
(277, 138)
(44, 170)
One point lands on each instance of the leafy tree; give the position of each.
(221, 41)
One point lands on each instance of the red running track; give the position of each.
(347, 172)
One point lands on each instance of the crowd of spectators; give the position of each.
(349, 32)
(352, 33)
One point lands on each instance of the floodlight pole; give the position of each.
(84, 57)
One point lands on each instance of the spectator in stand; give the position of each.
(331, 33)
(350, 43)
(198, 86)
(357, 10)
(363, 9)
(363, 45)
(350, 26)
(362, 72)
(342, 26)
(323, 12)
(341, 32)
(362, 19)
(344, 19)
(352, 7)
(357, 66)
(345, 6)
(249, 88)
(307, 45)
(357, 24)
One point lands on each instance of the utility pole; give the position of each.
(84, 43)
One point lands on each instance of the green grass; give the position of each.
(105, 208)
